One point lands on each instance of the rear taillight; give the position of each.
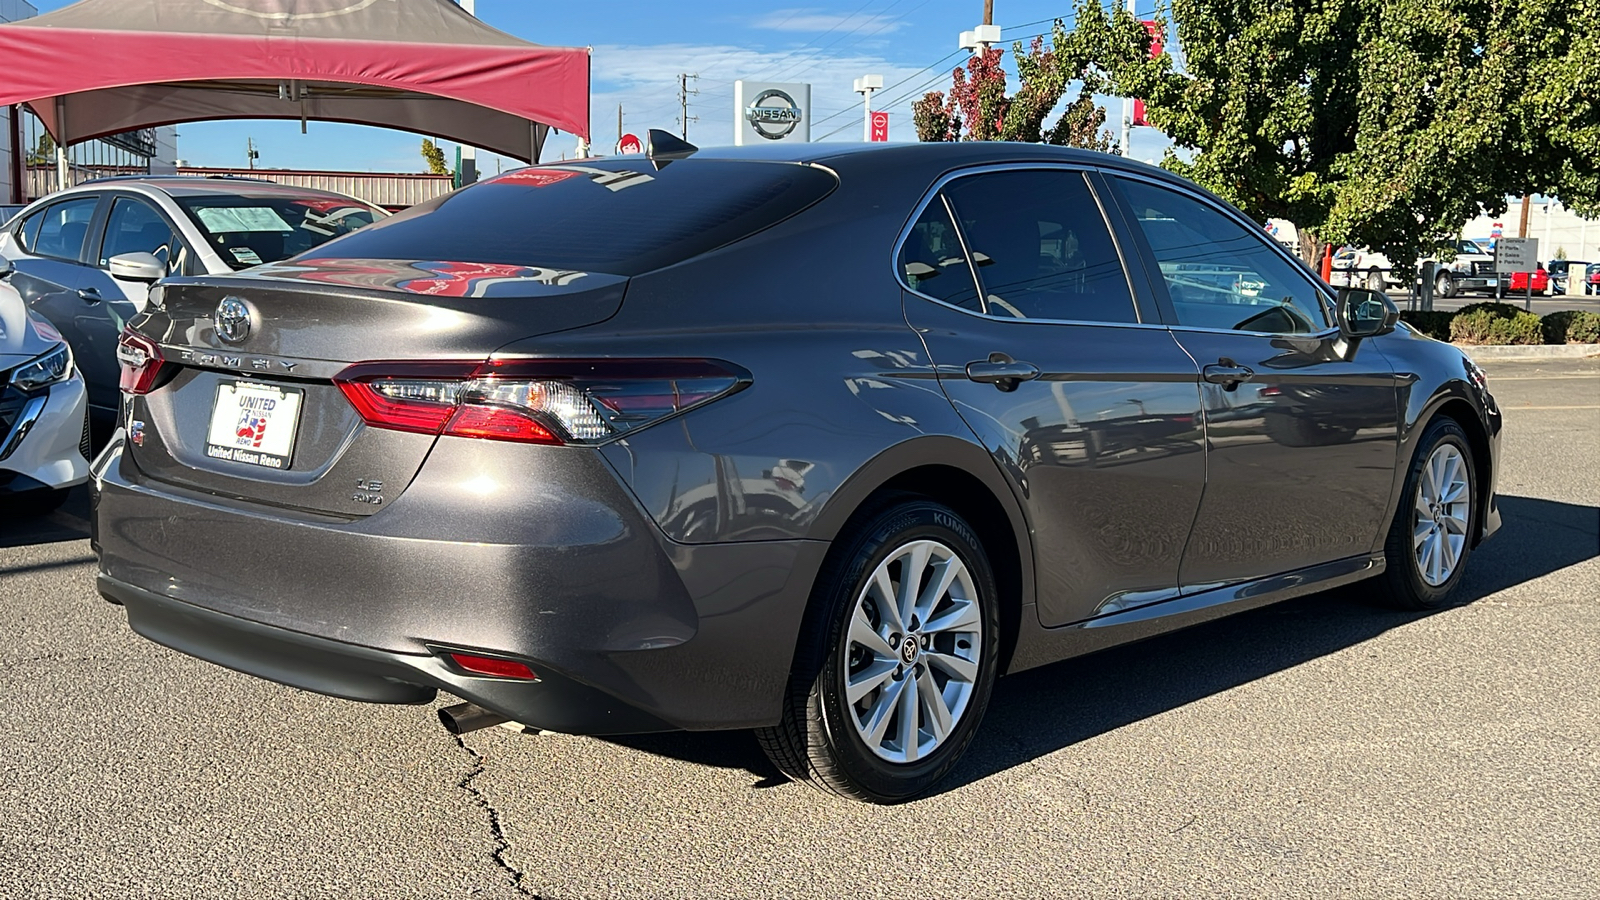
(534, 401)
(141, 362)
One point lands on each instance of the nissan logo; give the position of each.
(232, 320)
(773, 114)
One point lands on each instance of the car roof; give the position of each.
(204, 186)
(953, 153)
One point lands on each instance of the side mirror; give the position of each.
(6, 268)
(1363, 313)
(138, 267)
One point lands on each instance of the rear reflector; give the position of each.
(493, 667)
(534, 401)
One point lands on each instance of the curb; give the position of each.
(1485, 352)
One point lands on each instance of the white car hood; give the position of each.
(23, 335)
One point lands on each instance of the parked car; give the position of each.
(813, 440)
(1558, 269)
(1591, 275)
(44, 424)
(86, 256)
(1517, 283)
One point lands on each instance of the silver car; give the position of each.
(85, 257)
(44, 434)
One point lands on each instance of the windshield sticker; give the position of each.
(610, 179)
(241, 219)
(245, 256)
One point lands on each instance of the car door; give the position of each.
(134, 225)
(1089, 409)
(1301, 429)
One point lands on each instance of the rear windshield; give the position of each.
(248, 231)
(618, 217)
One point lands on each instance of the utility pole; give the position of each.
(619, 127)
(988, 12)
(250, 151)
(1127, 103)
(1522, 227)
(683, 102)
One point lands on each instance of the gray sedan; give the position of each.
(816, 441)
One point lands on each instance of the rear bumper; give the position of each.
(360, 673)
(627, 630)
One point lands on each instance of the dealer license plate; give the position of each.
(254, 424)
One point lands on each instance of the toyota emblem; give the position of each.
(233, 320)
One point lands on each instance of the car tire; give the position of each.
(1444, 286)
(851, 645)
(1375, 281)
(1431, 536)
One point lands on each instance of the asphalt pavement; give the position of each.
(1322, 747)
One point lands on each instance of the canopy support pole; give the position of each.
(63, 168)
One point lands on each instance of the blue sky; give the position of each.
(639, 49)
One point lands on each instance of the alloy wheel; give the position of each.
(911, 651)
(1443, 506)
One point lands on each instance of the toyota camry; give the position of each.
(817, 441)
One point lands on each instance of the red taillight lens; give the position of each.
(141, 362)
(493, 666)
(538, 401)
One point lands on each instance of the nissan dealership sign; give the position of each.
(768, 111)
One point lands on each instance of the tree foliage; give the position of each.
(979, 109)
(434, 157)
(1385, 123)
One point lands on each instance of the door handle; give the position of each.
(1001, 371)
(1228, 374)
(89, 295)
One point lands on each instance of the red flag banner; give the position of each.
(1157, 42)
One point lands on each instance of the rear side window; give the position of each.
(933, 262)
(615, 217)
(1042, 248)
(62, 228)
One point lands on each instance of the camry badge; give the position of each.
(232, 320)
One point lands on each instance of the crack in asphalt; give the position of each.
(501, 843)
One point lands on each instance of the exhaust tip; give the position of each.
(464, 717)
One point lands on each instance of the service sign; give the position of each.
(1516, 255)
(766, 111)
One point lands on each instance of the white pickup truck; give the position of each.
(1471, 269)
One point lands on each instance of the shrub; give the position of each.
(1431, 323)
(1496, 308)
(1571, 326)
(1494, 326)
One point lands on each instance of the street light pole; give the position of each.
(1127, 105)
(469, 155)
(864, 86)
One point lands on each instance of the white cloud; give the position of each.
(822, 21)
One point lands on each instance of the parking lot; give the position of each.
(1323, 747)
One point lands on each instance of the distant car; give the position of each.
(44, 429)
(85, 257)
(1470, 268)
(1517, 283)
(1591, 279)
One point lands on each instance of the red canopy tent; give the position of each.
(101, 67)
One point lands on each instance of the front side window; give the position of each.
(251, 230)
(1219, 273)
(62, 228)
(933, 262)
(134, 227)
(1041, 246)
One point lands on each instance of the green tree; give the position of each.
(44, 153)
(978, 108)
(434, 157)
(1385, 123)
